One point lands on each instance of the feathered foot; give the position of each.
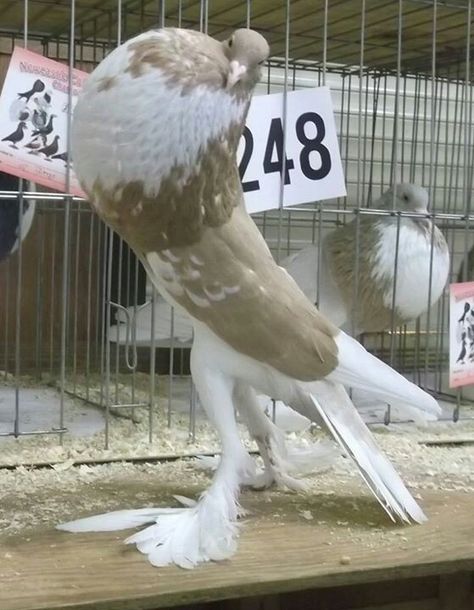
(200, 531)
(187, 536)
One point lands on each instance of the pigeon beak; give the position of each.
(236, 71)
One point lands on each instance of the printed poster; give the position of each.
(33, 137)
(461, 334)
(33, 120)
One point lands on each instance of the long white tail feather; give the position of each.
(349, 430)
(113, 521)
(357, 368)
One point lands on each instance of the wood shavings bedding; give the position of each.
(34, 498)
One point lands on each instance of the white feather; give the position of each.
(357, 368)
(113, 521)
(328, 402)
(412, 286)
(347, 427)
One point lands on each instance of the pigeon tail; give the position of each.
(358, 368)
(347, 427)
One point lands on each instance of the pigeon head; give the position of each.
(38, 85)
(408, 198)
(246, 51)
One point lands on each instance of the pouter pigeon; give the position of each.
(37, 87)
(375, 262)
(159, 165)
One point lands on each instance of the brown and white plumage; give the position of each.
(395, 261)
(159, 165)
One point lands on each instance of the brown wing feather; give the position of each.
(229, 281)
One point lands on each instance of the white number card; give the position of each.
(312, 166)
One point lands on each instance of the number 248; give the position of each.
(275, 143)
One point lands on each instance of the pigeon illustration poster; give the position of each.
(299, 149)
(461, 334)
(34, 118)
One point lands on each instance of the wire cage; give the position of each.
(76, 312)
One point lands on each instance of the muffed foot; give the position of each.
(200, 531)
(191, 535)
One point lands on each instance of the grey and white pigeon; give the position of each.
(159, 166)
(36, 143)
(47, 129)
(43, 102)
(376, 261)
(39, 119)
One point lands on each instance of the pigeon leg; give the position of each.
(205, 530)
(280, 463)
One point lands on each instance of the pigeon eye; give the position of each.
(231, 42)
(405, 197)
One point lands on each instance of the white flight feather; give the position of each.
(357, 368)
(348, 428)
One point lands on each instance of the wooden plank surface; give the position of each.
(278, 551)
